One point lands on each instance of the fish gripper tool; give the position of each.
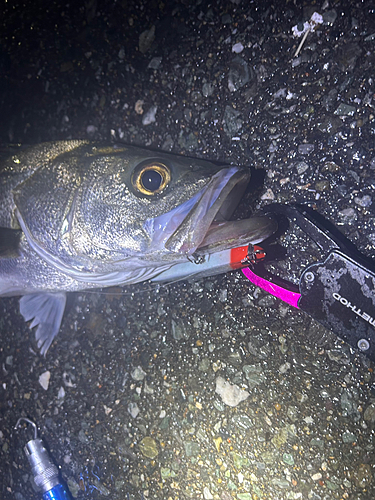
(338, 291)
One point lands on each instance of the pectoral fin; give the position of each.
(9, 242)
(46, 311)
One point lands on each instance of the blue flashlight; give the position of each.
(45, 472)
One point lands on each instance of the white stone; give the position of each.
(133, 409)
(150, 116)
(237, 48)
(207, 493)
(138, 373)
(316, 476)
(61, 393)
(44, 379)
(230, 394)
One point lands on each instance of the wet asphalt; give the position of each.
(211, 389)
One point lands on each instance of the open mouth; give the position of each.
(201, 223)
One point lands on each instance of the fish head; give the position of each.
(154, 206)
(96, 209)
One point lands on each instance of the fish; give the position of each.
(77, 215)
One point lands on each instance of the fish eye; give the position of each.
(151, 178)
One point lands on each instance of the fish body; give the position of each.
(76, 215)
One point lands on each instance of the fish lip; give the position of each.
(183, 229)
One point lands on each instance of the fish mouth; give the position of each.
(201, 225)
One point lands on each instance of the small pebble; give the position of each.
(284, 368)
(288, 459)
(138, 107)
(138, 374)
(347, 215)
(149, 447)
(133, 409)
(44, 379)
(302, 167)
(305, 149)
(150, 116)
(364, 202)
(207, 493)
(61, 393)
(316, 477)
(369, 414)
(345, 110)
(349, 437)
(230, 394)
(237, 48)
(363, 476)
(91, 130)
(207, 89)
(146, 39)
(268, 195)
(154, 63)
(322, 186)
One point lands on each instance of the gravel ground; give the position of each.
(213, 389)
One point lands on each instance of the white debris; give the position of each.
(44, 379)
(315, 20)
(299, 32)
(230, 394)
(310, 25)
(307, 27)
